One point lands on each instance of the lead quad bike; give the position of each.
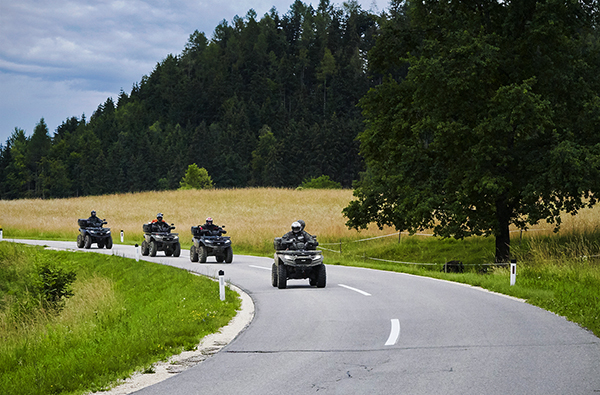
(160, 239)
(90, 233)
(210, 243)
(295, 260)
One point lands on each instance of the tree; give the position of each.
(266, 164)
(495, 123)
(196, 178)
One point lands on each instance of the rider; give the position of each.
(210, 229)
(159, 225)
(297, 235)
(95, 221)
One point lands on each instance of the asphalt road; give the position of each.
(375, 332)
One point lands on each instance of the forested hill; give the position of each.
(265, 102)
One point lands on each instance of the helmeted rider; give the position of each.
(297, 235)
(94, 221)
(159, 225)
(210, 229)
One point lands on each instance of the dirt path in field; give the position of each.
(210, 345)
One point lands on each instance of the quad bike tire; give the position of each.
(228, 255)
(203, 254)
(88, 242)
(274, 275)
(193, 254)
(109, 243)
(281, 277)
(153, 248)
(321, 277)
(80, 241)
(145, 250)
(177, 250)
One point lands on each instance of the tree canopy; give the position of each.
(196, 178)
(487, 117)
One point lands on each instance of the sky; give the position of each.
(63, 58)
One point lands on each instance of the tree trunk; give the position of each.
(502, 233)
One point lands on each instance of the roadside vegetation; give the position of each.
(119, 303)
(120, 316)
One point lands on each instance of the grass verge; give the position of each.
(123, 317)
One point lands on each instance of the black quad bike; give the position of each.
(90, 233)
(296, 261)
(210, 243)
(160, 239)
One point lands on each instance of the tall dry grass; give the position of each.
(252, 216)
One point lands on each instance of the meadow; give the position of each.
(252, 216)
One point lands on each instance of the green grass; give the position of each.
(124, 316)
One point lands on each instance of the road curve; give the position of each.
(376, 332)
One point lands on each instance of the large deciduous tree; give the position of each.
(488, 117)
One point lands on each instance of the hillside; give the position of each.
(267, 101)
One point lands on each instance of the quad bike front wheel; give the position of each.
(281, 277)
(88, 242)
(193, 254)
(153, 248)
(274, 275)
(80, 241)
(321, 277)
(203, 254)
(228, 255)
(145, 250)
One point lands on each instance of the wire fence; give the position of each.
(445, 264)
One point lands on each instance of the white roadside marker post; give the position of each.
(513, 272)
(221, 285)
(0, 233)
(121, 236)
(137, 253)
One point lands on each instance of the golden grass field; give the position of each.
(252, 216)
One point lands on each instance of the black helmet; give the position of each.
(93, 213)
(159, 215)
(296, 227)
(209, 220)
(302, 224)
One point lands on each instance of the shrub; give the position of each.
(53, 284)
(322, 182)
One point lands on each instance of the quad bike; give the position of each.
(295, 260)
(160, 239)
(90, 233)
(210, 243)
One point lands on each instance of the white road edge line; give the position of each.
(260, 267)
(394, 333)
(355, 290)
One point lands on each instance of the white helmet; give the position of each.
(296, 227)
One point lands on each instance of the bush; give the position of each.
(53, 284)
(196, 178)
(322, 182)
